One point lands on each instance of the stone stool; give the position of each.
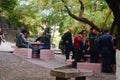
(23, 52)
(46, 54)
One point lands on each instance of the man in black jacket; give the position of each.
(47, 33)
(94, 52)
(68, 44)
(45, 40)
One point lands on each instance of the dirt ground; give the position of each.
(17, 68)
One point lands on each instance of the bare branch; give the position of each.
(82, 8)
(81, 19)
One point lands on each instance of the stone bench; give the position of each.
(66, 74)
(96, 67)
(23, 52)
(87, 57)
(46, 54)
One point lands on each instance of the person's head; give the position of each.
(87, 42)
(25, 32)
(80, 33)
(84, 31)
(93, 30)
(106, 31)
(114, 36)
(42, 34)
(100, 32)
(71, 30)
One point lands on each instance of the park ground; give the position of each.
(18, 68)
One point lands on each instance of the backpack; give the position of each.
(61, 46)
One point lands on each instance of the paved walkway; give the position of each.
(6, 46)
(17, 68)
(51, 64)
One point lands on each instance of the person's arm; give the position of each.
(38, 39)
(92, 37)
(24, 39)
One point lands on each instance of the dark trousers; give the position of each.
(78, 56)
(67, 54)
(94, 57)
(46, 46)
(0, 40)
(68, 49)
(113, 57)
(106, 62)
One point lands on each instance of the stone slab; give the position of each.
(68, 73)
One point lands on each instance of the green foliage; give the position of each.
(8, 5)
(34, 13)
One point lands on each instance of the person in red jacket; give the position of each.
(78, 41)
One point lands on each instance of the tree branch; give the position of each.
(81, 19)
(108, 15)
(82, 8)
(113, 26)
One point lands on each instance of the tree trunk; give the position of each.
(115, 7)
(113, 27)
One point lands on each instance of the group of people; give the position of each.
(44, 39)
(94, 44)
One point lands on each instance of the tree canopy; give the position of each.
(34, 13)
(60, 14)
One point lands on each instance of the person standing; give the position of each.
(78, 41)
(47, 29)
(47, 33)
(93, 46)
(85, 35)
(106, 50)
(114, 49)
(68, 44)
(1, 35)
